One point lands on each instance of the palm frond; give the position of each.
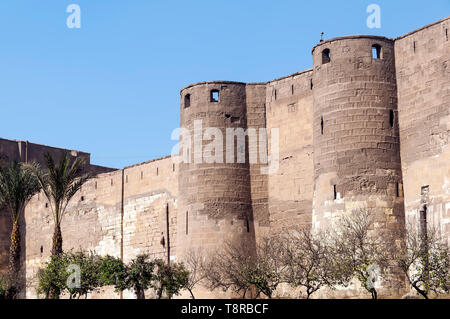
(17, 186)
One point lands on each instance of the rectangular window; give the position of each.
(326, 56)
(335, 191)
(376, 51)
(215, 96)
(187, 100)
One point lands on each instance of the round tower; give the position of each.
(214, 201)
(356, 136)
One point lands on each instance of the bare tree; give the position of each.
(357, 249)
(267, 270)
(236, 267)
(308, 261)
(424, 259)
(195, 262)
(228, 268)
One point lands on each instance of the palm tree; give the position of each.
(17, 187)
(60, 182)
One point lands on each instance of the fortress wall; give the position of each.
(149, 187)
(93, 220)
(90, 224)
(9, 150)
(256, 119)
(423, 79)
(24, 151)
(289, 109)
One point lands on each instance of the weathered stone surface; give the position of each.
(356, 132)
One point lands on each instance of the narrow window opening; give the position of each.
(42, 249)
(414, 46)
(247, 225)
(335, 191)
(446, 34)
(397, 189)
(112, 183)
(326, 56)
(275, 94)
(391, 118)
(215, 95)
(95, 185)
(376, 51)
(82, 198)
(321, 125)
(173, 167)
(46, 205)
(142, 175)
(187, 223)
(311, 84)
(187, 100)
(292, 89)
(157, 171)
(423, 221)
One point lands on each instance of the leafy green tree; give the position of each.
(9, 286)
(17, 187)
(112, 272)
(170, 279)
(88, 265)
(52, 277)
(60, 182)
(140, 274)
(2, 288)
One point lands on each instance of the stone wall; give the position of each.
(423, 79)
(356, 131)
(356, 138)
(289, 109)
(24, 151)
(95, 220)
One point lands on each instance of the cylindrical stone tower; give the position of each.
(214, 194)
(356, 136)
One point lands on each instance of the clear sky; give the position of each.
(111, 88)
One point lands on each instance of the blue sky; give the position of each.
(111, 88)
